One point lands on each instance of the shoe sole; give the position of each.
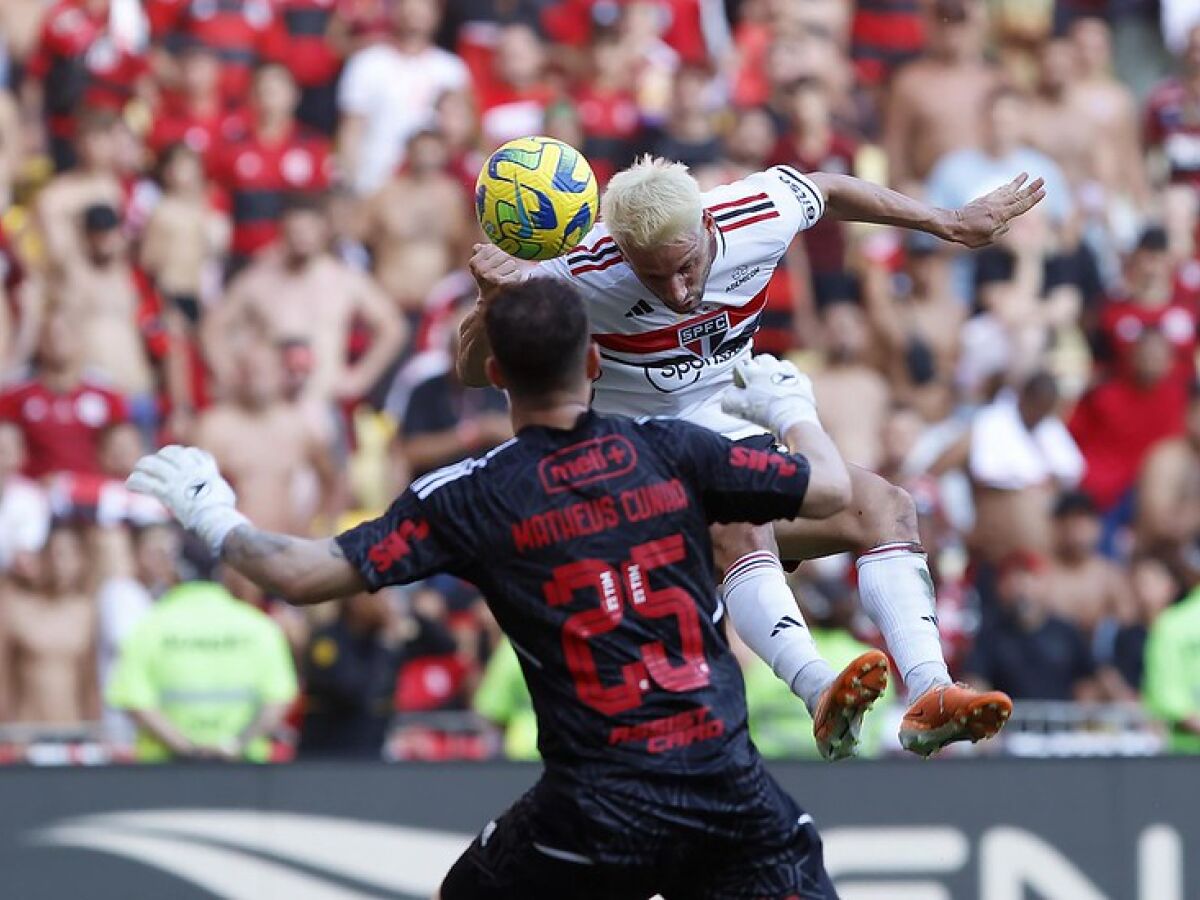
(979, 720)
(853, 693)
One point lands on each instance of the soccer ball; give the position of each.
(536, 197)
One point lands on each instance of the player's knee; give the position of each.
(732, 542)
(889, 513)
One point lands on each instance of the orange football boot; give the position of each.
(953, 712)
(840, 710)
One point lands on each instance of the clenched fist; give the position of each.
(493, 269)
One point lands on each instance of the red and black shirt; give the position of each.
(257, 176)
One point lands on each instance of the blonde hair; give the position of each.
(651, 203)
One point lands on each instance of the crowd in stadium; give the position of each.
(244, 225)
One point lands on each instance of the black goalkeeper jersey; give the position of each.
(592, 548)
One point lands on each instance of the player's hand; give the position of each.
(493, 269)
(186, 481)
(987, 218)
(771, 393)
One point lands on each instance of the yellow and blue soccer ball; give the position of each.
(536, 198)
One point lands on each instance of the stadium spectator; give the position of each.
(255, 415)
(814, 142)
(1156, 295)
(607, 105)
(916, 322)
(1083, 587)
(1024, 649)
(314, 60)
(86, 58)
(47, 638)
(1167, 520)
(1113, 110)
(61, 411)
(204, 676)
(514, 95)
(503, 700)
(689, 134)
(107, 300)
(1117, 422)
(303, 295)
(1020, 455)
(181, 252)
(1121, 645)
(24, 510)
(122, 601)
(1026, 300)
(349, 673)
(851, 394)
(747, 147)
(934, 103)
(197, 114)
(444, 421)
(1171, 116)
(389, 90)
(274, 160)
(1171, 684)
(242, 34)
(1057, 127)
(999, 154)
(93, 181)
(418, 224)
(885, 35)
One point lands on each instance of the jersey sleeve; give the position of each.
(798, 199)
(552, 268)
(399, 547)
(737, 482)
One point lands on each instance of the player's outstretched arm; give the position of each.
(186, 481)
(979, 223)
(779, 397)
(492, 269)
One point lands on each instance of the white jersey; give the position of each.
(659, 363)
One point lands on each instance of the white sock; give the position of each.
(765, 615)
(897, 593)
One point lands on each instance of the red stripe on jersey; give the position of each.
(773, 214)
(600, 266)
(587, 251)
(667, 337)
(742, 202)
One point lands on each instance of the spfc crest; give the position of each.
(703, 337)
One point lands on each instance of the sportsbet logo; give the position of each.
(397, 545)
(587, 462)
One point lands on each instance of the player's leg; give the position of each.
(777, 855)
(880, 525)
(519, 857)
(765, 615)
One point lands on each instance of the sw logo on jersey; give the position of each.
(395, 546)
(702, 338)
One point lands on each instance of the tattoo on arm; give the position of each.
(247, 543)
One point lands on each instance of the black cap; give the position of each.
(100, 217)
(1153, 238)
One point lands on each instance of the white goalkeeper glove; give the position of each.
(185, 480)
(771, 393)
